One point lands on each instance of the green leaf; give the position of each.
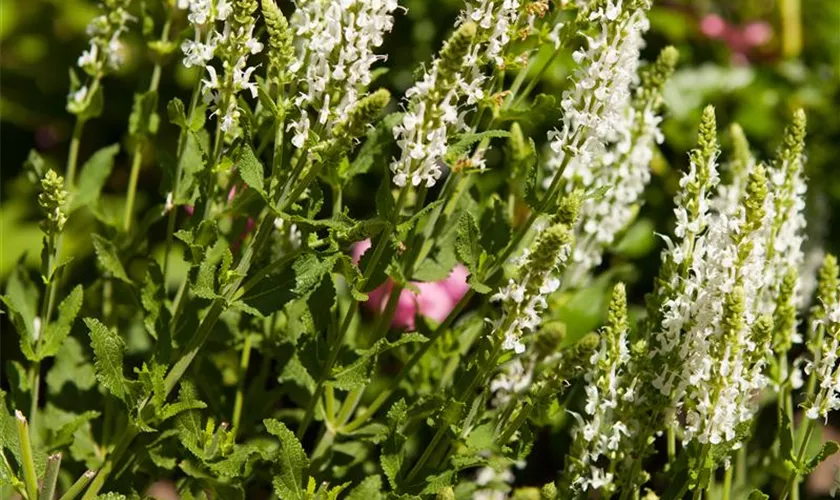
(467, 243)
(369, 489)
(93, 176)
(638, 241)
(205, 282)
(108, 351)
(188, 423)
(106, 252)
(358, 373)
(309, 271)
(464, 141)
(251, 169)
(385, 200)
(828, 448)
(393, 450)
(405, 227)
(57, 331)
(64, 436)
(292, 460)
(144, 119)
(71, 367)
(375, 149)
(541, 110)
(21, 298)
(758, 495)
(176, 113)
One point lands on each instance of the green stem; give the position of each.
(240, 384)
(30, 480)
(727, 483)
(427, 452)
(78, 486)
(803, 446)
(73, 153)
(672, 444)
(138, 148)
(383, 397)
(50, 477)
(127, 437)
(348, 318)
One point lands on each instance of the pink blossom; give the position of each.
(713, 26)
(757, 33)
(434, 300)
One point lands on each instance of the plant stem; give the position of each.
(803, 446)
(127, 437)
(29, 478)
(348, 317)
(240, 384)
(727, 483)
(78, 486)
(137, 160)
(50, 477)
(73, 153)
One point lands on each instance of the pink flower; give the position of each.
(757, 33)
(713, 26)
(434, 300)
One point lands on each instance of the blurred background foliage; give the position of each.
(755, 60)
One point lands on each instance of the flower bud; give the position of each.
(52, 200)
(458, 45)
(548, 491)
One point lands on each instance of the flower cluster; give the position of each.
(106, 51)
(52, 200)
(437, 104)
(335, 50)
(610, 394)
(595, 106)
(714, 330)
(624, 168)
(523, 300)
(825, 348)
(233, 45)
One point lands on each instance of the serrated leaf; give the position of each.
(405, 227)
(57, 331)
(188, 423)
(464, 141)
(467, 243)
(828, 448)
(176, 112)
(357, 374)
(309, 270)
(21, 298)
(375, 149)
(292, 460)
(108, 350)
(369, 489)
(92, 177)
(64, 436)
(144, 119)
(393, 450)
(205, 282)
(251, 169)
(107, 255)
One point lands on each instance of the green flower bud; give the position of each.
(280, 46)
(762, 335)
(740, 151)
(363, 114)
(569, 207)
(52, 200)
(548, 247)
(549, 338)
(526, 493)
(519, 148)
(707, 145)
(784, 316)
(655, 76)
(445, 494)
(452, 54)
(794, 141)
(242, 10)
(616, 320)
(827, 284)
(733, 315)
(548, 491)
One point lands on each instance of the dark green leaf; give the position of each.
(106, 252)
(108, 350)
(393, 450)
(144, 119)
(251, 169)
(57, 331)
(467, 243)
(828, 448)
(92, 177)
(292, 460)
(21, 298)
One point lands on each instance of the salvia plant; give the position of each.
(282, 343)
